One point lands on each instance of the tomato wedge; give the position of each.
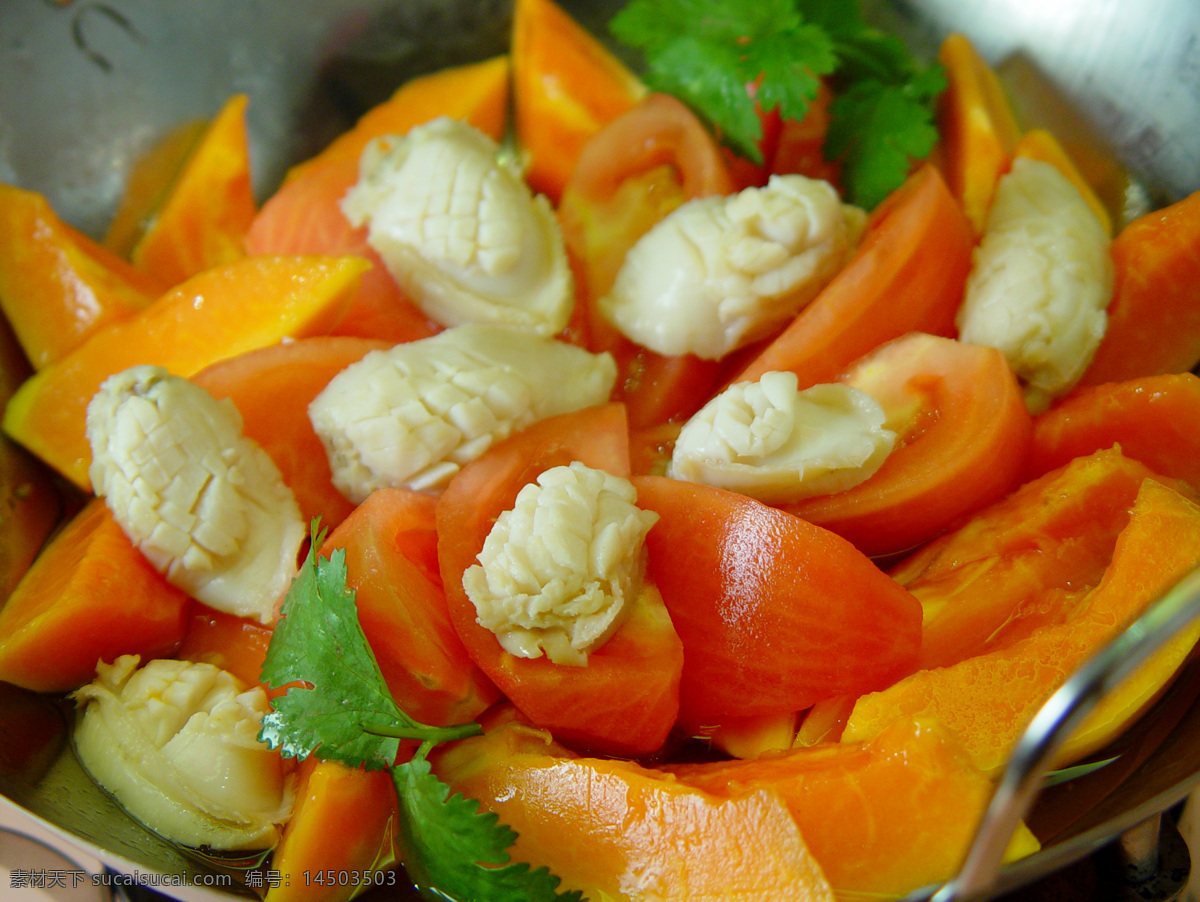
(625, 699)
(272, 388)
(403, 611)
(1155, 419)
(774, 612)
(658, 131)
(908, 275)
(964, 440)
(629, 175)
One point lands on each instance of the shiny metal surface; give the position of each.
(1123, 75)
(88, 86)
(1023, 777)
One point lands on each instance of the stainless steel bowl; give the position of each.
(88, 86)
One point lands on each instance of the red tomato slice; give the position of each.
(657, 390)
(908, 275)
(800, 144)
(965, 437)
(403, 610)
(236, 644)
(745, 172)
(272, 388)
(624, 701)
(774, 613)
(1154, 419)
(630, 175)
(658, 131)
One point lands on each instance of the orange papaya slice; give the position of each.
(205, 214)
(978, 127)
(341, 837)
(1155, 419)
(566, 87)
(1153, 320)
(616, 830)
(30, 502)
(305, 217)
(148, 184)
(475, 92)
(1023, 559)
(89, 596)
(988, 700)
(883, 817)
(250, 303)
(57, 285)
(30, 508)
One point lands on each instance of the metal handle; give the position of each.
(1074, 700)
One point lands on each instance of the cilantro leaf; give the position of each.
(454, 851)
(711, 54)
(876, 129)
(704, 77)
(346, 712)
(839, 18)
(728, 59)
(790, 65)
(871, 54)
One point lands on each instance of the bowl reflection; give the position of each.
(1116, 81)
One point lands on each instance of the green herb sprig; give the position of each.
(338, 707)
(724, 57)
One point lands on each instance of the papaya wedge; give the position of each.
(250, 303)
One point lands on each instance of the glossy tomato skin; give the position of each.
(403, 611)
(660, 130)
(1154, 419)
(624, 701)
(964, 441)
(774, 613)
(630, 174)
(908, 273)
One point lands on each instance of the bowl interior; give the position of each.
(1109, 76)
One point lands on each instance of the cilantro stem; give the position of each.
(424, 732)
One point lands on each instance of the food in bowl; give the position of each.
(569, 619)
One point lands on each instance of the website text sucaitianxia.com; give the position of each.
(50, 878)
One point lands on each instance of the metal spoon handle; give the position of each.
(1054, 722)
